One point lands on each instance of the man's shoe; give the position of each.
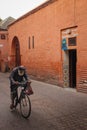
(11, 106)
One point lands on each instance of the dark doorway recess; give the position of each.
(72, 68)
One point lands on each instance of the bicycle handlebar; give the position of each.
(21, 83)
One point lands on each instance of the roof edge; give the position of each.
(1, 29)
(33, 11)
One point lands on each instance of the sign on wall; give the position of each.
(64, 44)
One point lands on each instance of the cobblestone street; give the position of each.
(53, 108)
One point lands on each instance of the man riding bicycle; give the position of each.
(17, 76)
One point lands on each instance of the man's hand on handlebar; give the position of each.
(16, 82)
(22, 83)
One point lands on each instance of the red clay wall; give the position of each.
(3, 50)
(81, 20)
(45, 59)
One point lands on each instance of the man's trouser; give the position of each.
(13, 89)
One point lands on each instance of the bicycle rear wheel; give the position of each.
(25, 106)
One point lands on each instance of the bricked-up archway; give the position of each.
(15, 52)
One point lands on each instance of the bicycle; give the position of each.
(23, 99)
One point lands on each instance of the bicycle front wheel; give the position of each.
(25, 106)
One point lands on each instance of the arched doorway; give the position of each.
(15, 53)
